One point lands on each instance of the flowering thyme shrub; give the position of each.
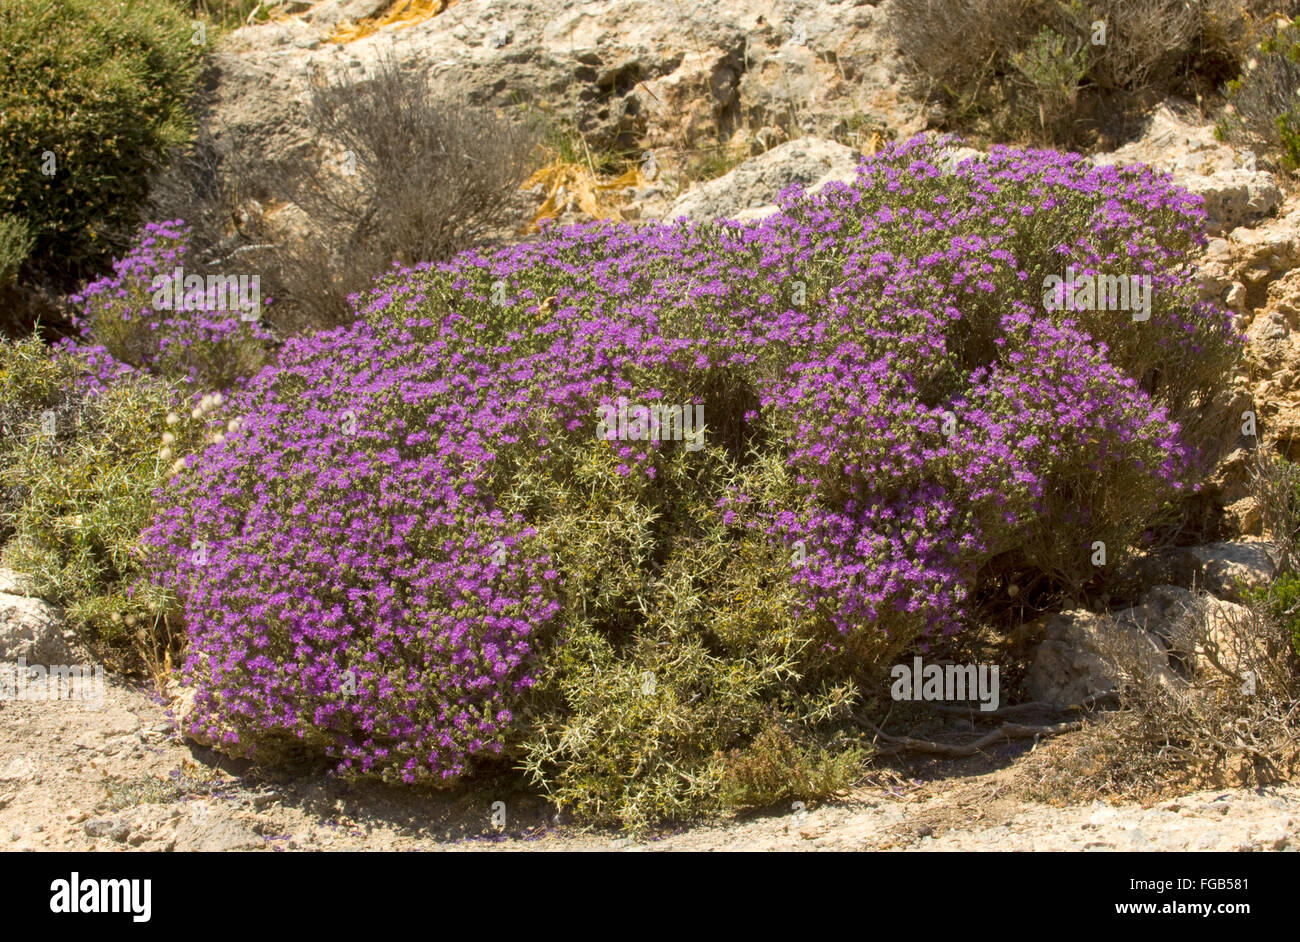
(130, 321)
(427, 543)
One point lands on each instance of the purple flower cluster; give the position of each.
(375, 517)
(197, 337)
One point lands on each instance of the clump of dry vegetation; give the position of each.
(1068, 72)
(398, 176)
(1225, 712)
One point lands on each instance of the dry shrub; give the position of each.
(1275, 488)
(1226, 713)
(398, 176)
(219, 186)
(1262, 111)
(1032, 68)
(410, 179)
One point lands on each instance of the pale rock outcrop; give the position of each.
(749, 191)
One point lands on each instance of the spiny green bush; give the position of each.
(15, 243)
(778, 767)
(92, 94)
(454, 533)
(78, 470)
(1061, 72)
(680, 637)
(1262, 108)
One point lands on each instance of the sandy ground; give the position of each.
(120, 777)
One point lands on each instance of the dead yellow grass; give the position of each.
(570, 185)
(399, 14)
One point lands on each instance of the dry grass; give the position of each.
(1226, 714)
(399, 14)
(570, 185)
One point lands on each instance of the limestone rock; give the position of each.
(1234, 198)
(662, 75)
(1072, 663)
(16, 583)
(1226, 566)
(749, 191)
(31, 629)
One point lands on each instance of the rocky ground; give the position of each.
(120, 778)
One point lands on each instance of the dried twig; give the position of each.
(1007, 731)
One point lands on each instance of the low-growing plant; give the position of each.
(1262, 109)
(456, 529)
(78, 469)
(1281, 599)
(1052, 67)
(153, 315)
(777, 767)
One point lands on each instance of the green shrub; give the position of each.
(1281, 598)
(93, 92)
(77, 472)
(203, 331)
(680, 642)
(776, 767)
(1262, 108)
(15, 243)
(1053, 67)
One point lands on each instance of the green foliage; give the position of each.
(1263, 111)
(678, 643)
(76, 500)
(776, 767)
(92, 94)
(1053, 66)
(15, 243)
(1281, 600)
